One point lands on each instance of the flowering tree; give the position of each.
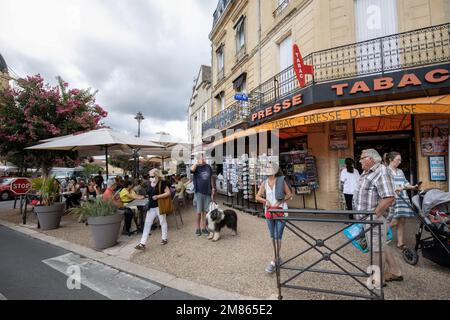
(33, 111)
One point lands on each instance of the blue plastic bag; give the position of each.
(356, 232)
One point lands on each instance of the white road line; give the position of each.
(110, 282)
(2, 297)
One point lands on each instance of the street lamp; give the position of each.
(139, 117)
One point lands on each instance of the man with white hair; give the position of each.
(375, 192)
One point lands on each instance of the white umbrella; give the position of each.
(169, 142)
(95, 141)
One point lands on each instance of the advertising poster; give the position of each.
(434, 137)
(437, 168)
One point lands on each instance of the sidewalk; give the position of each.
(235, 264)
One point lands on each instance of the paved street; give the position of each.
(32, 269)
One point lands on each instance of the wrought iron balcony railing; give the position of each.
(280, 8)
(231, 116)
(421, 47)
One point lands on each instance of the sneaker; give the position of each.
(205, 232)
(270, 267)
(198, 232)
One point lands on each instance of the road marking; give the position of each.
(110, 282)
(2, 297)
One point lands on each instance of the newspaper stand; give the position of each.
(327, 253)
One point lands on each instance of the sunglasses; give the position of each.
(152, 177)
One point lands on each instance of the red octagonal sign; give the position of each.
(21, 186)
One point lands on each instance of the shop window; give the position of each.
(383, 124)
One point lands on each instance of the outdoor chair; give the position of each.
(177, 204)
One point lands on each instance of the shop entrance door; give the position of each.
(402, 143)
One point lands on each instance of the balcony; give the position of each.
(416, 48)
(280, 8)
(231, 116)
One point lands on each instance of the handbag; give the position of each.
(356, 233)
(165, 205)
(270, 216)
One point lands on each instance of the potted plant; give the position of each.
(49, 211)
(104, 220)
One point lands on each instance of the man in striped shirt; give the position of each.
(376, 192)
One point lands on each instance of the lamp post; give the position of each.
(139, 117)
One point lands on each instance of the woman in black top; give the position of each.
(157, 189)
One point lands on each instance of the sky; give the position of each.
(141, 55)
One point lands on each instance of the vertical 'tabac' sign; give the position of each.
(300, 68)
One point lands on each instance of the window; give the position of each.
(204, 115)
(195, 126)
(220, 101)
(220, 61)
(285, 50)
(286, 60)
(240, 35)
(375, 19)
(240, 84)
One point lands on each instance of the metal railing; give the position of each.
(420, 47)
(280, 8)
(328, 251)
(229, 117)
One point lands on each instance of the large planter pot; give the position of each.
(105, 230)
(50, 216)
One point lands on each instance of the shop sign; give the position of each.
(347, 114)
(301, 70)
(278, 107)
(401, 82)
(338, 136)
(388, 83)
(437, 168)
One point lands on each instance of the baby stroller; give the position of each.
(431, 207)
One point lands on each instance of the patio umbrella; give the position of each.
(169, 142)
(96, 141)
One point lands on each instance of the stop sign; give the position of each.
(21, 186)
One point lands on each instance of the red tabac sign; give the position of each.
(21, 186)
(300, 68)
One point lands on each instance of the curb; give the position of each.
(165, 279)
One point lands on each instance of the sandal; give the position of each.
(401, 247)
(163, 242)
(140, 246)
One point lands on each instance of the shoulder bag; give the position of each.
(165, 205)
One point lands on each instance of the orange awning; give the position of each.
(426, 105)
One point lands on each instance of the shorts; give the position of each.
(375, 234)
(276, 228)
(202, 202)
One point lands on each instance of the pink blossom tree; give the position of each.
(33, 111)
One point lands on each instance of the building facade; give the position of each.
(380, 80)
(4, 77)
(200, 105)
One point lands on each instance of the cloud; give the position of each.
(140, 55)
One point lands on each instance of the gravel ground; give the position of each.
(236, 263)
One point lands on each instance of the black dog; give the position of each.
(217, 219)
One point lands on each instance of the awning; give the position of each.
(426, 105)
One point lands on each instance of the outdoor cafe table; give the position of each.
(140, 204)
